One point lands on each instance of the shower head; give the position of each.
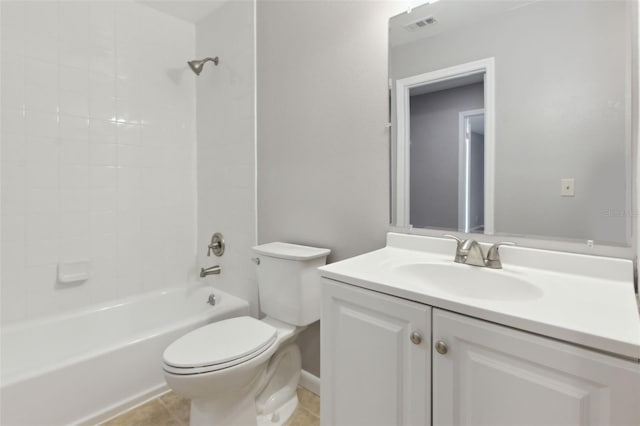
(196, 66)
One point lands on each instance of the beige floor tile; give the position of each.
(177, 405)
(302, 417)
(153, 413)
(310, 401)
(173, 410)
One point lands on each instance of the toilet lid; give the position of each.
(221, 344)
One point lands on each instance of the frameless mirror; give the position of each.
(514, 117)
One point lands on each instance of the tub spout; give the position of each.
(211, 270)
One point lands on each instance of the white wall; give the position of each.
(97, 152)
(226, 147)
(323, 149)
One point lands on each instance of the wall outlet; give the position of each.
(567, 187)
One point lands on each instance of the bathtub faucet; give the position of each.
(211, 270)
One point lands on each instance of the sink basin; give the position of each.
(469, 281)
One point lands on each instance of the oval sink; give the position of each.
(470, 281)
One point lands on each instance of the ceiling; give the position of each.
(188, 10)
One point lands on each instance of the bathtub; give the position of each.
(86, 366)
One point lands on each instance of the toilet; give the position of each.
(244, 371)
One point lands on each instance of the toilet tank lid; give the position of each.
(291, 251)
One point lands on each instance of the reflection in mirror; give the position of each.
(447, 153)
(552, 83)
(471, 167)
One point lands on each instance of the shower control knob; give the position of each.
(416, 338)
(441, 347)
(217, 245)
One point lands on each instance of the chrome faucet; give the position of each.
(211, 270)
(470, 252)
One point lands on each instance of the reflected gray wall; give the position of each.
(549, 124)
(323, 148)
(434, 154)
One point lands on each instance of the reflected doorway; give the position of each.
(428, 162)
(471, 171)
(444, 174)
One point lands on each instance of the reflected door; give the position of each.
(471, 171)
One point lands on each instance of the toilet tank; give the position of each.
(289, 282)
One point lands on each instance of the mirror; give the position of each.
(514, 118)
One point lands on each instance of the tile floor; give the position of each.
(173, 410)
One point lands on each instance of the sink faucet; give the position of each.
(469, 252)
(211, 270)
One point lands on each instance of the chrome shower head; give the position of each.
(197, 65)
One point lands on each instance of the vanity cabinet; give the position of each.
(376, 358)
(495, 375)
(471, 371)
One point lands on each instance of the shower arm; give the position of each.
(197, 65)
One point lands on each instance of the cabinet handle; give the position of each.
(441, 347)
(416, 338)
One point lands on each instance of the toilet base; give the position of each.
(223, 411)
(233, 412)
(280, 415)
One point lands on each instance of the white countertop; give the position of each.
(585, 300)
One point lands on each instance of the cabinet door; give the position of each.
(494, 375)
(373, 373)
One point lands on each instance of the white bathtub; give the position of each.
(85, 366)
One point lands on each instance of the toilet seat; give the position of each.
(219, 345)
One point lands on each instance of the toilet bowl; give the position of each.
(244, 371)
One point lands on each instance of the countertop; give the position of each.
(585, 300)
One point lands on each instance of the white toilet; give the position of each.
(244, 371)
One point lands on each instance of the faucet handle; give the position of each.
(217, 245)
(493, 256)
(461, 256)
(453, 237)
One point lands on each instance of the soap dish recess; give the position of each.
(73, 272)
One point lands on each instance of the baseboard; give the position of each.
(310, 382)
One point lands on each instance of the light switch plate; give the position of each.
(567, 187)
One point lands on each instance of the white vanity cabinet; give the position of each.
(376, 358)
(495, 375)
(472, 372)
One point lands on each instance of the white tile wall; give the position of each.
(226, 152)
(98, 152)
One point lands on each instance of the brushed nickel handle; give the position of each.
(217, 245)
(416, 338)
(492, 254)
(441, 347)
(453, 237)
